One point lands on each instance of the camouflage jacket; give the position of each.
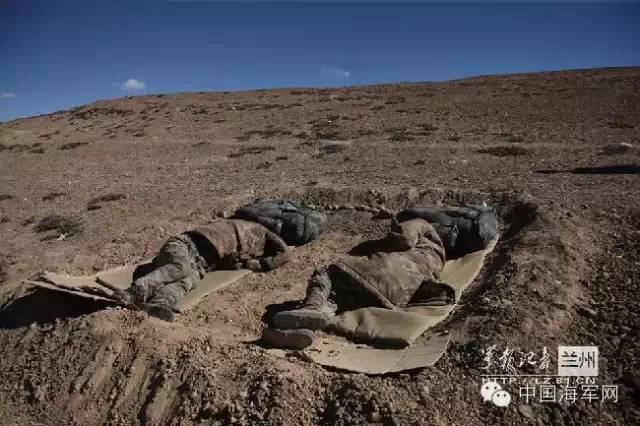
(394, 277)
(230, 241)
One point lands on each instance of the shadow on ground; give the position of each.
(44, 307)
(625, 169)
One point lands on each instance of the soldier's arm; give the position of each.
(276, 252)
(405, 235)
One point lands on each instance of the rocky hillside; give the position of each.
(104, 184)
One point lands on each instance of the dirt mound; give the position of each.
(565, 270)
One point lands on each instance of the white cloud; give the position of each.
(7, 95)
(335, 72)
(133, 84)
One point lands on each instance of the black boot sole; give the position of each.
(289, 339)
(301, 318)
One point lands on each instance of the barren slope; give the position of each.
(123, 175)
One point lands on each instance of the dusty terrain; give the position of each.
(104, 184)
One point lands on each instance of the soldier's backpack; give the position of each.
(294, 223)
(462, 229)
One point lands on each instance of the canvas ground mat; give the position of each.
(395, 338)
(104, 285)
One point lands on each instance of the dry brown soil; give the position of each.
(104, 184)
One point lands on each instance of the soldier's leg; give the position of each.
(172, 263)
(171, 294)
(318, 289)
(295, 328)
(165, 298)
(316, 309)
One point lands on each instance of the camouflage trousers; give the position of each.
(331, 284)
(177, 269)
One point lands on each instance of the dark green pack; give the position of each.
(294, 223)
(462, 229)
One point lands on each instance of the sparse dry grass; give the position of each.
(264, 134)
(53, 195)
(72, 145)
(97, 202)
(505, 151)
(63, 225)
(251, 150)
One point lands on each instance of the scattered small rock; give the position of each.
(383, 213)
(617, 148)
(413, 194)
(631, 379)
(526, 411)
(587, 312)
(222, 213)
(561, 305)
(374, 417)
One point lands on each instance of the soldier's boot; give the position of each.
(298, 338)
(158, 311)
(316, 310)
(161, 303)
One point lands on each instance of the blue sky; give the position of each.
(58, 54)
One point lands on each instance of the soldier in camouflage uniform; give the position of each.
(405, 270)
(184, 259)
(407, 267)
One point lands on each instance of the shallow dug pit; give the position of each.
(531, 285)
(44, 307)
(537, 266)
(529, 234)
(122, 367)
